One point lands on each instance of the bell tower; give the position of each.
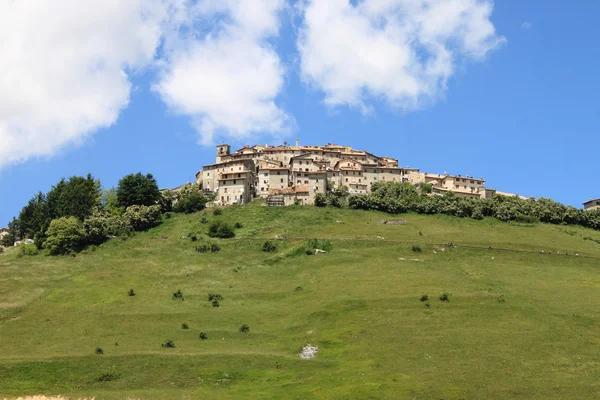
(223, 150)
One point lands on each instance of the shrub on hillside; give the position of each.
(65, 235)
(28, 250)
(215, 248)
(131, 293)
(169, 344)
(178, 295)
(141, 218)
(416, 248)
(217, 211)
(320, 200)
(238, 225)
(445, 297)
(99, 350)
(424, 298)
(204, 220)
(189, 200)
(244, 328)
(319, 244)
(221, 230)
(203, 336)
(185, 326)
(269, 247)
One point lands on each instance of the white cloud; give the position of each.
(526, 25)
(401, 51)
(64, 68)
(223, 73)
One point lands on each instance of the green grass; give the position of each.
(359, 303)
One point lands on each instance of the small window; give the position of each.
(281, 180)
(234, 181)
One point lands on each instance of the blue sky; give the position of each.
(517, 106)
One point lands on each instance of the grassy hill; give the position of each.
(519, 324)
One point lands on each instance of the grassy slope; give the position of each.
(359, 304)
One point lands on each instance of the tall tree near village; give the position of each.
(137, 189)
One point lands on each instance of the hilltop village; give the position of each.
(294, 174)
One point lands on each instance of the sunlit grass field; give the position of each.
(519, 324)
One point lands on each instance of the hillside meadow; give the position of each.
(518, 323)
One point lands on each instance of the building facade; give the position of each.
(593, 204)
(296, 174)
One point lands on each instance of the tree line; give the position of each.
(77, 212)
(395, 198)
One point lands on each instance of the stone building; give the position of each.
(295, 174)
(593, 204)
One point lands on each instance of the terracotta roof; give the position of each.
(301, 189)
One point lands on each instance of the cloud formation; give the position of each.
(227, 80)
(64, 68)
(400, 51)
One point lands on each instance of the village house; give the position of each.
(295, 174)
(593, 204)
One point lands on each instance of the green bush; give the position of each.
(190, 199)
(314, 244)
(178, 295)
(221, 230)
(424, 298)
(99, 350)
(131, 293)
(269, 247)
(185, 326)
(238, 225)
(204, 220)
(107, 377)
(203, 336)
(215, 248)
(141, 218)
(169, 344)
(217, 211)
(28, 250)
(214, 296)
(215, 303)
(194, 238)
(65, 235)
(320, 200)
(244, 328)
(445, 297)
(416, 248)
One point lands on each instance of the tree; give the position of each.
(108, 200)
(65, 235)
(77, 197)
(137, 189)
(190, 199)
(34, 217)
(141, 218)
(220, 230)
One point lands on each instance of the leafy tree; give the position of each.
(65, 235)
(425, 187)
(34, 217)
(77, 197)
(137, 189)
(109, 201)
(190, 199)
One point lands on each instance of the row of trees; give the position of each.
(394, 197)
(76, 212)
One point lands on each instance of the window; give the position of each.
(240, 168)
(281, 180)
(266, 174)
(346, 179)
(225, 190)
(306, 182)
(208, 174)
(234, 181)
(239, 175)
(262, 189)
(279, 173)
(472, 181)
